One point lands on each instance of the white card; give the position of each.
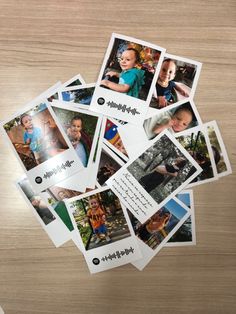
(55, 197)
(186, 234)
(40, 144)
(160, 171)
(177, 81)
(175, 118)
(108, 165)
(155, 232)
(195, 141)
(134, 64)
(82, 128)
(112, 138)
(105, 232)
(49, 220)
(79, 95)
(221, 159)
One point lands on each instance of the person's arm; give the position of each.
(26, 139)
(122, 88)
(181, 90)
(172, 174)
(158, 128)
(162, 101)
(163, 170)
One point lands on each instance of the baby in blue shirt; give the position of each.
(165, 84)
(131, 78)
(32, 136)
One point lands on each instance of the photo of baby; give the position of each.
(174, 120)
(80, 129)
(176, 81)
(35, 136)
(100, 219)
(130, 68)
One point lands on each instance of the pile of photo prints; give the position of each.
(110, 164)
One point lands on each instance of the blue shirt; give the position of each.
(165, 91)
(35, 138)
(134, 78)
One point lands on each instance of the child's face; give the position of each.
(54, 142)
(27, 122)
(76, 125)
(181, 120)
(167, 72)
(62, 195)
(93, 203)
(128, 60)
(35, 202)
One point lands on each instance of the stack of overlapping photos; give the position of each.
(110, 164)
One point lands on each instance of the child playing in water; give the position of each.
(131, 78)
(97, 219)
(74, 134)
(32, 136)
(176, 122)
(165, 84)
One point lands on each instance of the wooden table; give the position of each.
(46, 41)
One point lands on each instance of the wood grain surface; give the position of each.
(42, 42)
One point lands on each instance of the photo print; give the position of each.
(127, 78)
(76, 80)
(82, 129)
(196, 143)
(186, 234)
(49, 221)
(40, 145)
(73, 82)
(133, 138)
(146, 183)
(105, 232)
(109, 164)
(54, 197)
(113, 140)
(154, 233)
(175, 119)
(177, 80)
(80, 95)
(93, 169)
(54, 94)
(218, 149)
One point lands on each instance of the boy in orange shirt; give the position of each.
(97, 219)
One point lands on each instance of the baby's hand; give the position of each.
(111, 73)
(162, 101)
(76, 135)
(170, 123)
